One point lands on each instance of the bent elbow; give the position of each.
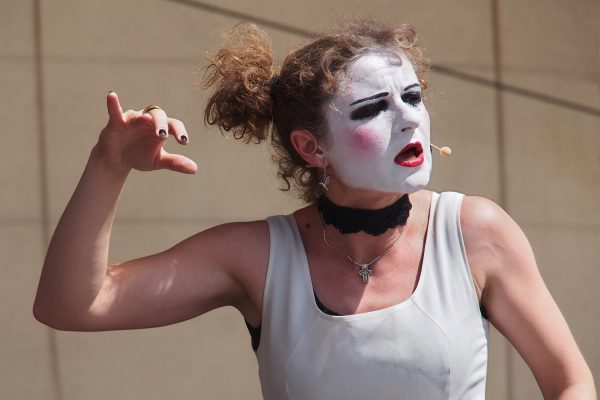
(53, 320)
(43, 317)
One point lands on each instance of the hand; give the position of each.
(133, 139)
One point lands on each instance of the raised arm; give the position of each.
(79, 291)
(518, 303)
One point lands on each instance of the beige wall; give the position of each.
(58, 58)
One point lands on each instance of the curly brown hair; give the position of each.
(250, 97)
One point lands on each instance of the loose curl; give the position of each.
(251, 100)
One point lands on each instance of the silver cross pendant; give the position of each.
(365, 272)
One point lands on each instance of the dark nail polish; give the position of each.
(184, 138)
(162, 132)
(112, 91)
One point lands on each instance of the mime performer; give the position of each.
(377, 289)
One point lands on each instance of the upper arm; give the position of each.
(206, 271)
(515, 297)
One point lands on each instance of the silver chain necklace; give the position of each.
(365, 272)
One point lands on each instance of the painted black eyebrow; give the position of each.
(375, 96)
(412, 86)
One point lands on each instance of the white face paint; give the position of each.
(376, 114)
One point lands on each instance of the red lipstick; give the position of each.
(411, 155)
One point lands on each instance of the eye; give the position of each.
(369, 110)
(412, 98)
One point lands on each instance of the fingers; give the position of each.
(115, 112)
(165, 126)
(177, 129)
(176, 162)
(160, 122)
(157, 118)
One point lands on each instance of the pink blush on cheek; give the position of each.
(364, 141)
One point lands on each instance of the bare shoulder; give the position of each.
(485, 223)
(237, 237)
(480, 215)
(247, 245)
(242, 248)
(229, 244)
(494, 243)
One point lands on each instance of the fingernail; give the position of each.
(162, 132)
(112, 91)
(184, 138)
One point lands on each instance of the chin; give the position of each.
(413, 183)
(418, 181)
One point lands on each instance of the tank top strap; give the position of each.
(446, 269)
(286, 307)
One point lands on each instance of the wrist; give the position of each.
(99, 160)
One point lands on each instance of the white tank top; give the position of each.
(431, 346)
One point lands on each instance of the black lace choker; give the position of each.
(374, 222)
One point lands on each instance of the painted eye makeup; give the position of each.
(369, 110)
(412, 98)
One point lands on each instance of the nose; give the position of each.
(409, 118)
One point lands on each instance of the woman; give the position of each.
(377, 289)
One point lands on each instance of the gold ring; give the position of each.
(150, 108)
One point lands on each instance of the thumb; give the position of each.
(115, 112)
(177, 163)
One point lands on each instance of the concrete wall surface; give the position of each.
(515, 90)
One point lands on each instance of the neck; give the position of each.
(360, 198)
(361, 246)
(363, 234)
(375, 222)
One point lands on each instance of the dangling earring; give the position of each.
(324, 182)
(325, 179)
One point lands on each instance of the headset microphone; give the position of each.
(444, 150)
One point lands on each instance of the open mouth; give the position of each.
(411, 155)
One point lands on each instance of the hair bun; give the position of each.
(273, 86)
(242, 72)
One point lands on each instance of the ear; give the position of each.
(307, 147)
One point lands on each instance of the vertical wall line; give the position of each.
(501, 146)
(499, 103)
(595, 363)
(43, 179)
(598, 47)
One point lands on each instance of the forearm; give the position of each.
(75, 265)
(583, 389)
(577, 392)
